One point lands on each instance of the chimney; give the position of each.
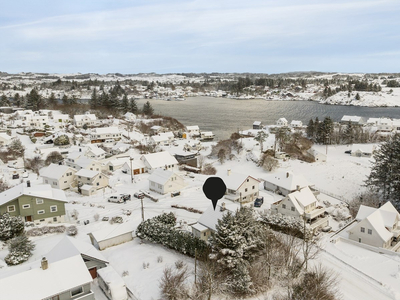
(44, 263)
(28, 183)
(287, 175)
(298, 187)
(229, 172)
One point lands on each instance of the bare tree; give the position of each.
(368, 198)
(54, 157)
(35, 164)
(172, 283)
(270, 163)
(201, 161)
(221, 155)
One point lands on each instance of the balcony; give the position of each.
(315, 213)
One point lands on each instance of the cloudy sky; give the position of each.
(165, 36)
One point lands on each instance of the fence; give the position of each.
(338, 197)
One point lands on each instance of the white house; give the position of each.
(138, 167)
(159, 139)
(378, 227)
(102, 134)
(282, 122)
(353, 119)
(87, 118)
(318, 156)
(159, 160)
(240, 187)
(296, 124)
(257, 125)
(193, 130)
(58, 176)
(163, 181)
(207, 135)
(362, 150)
(115, 164)
(381, 124)
(284, 183)
(91, 178)
(302, 204)
(112, 235)
(94, 152)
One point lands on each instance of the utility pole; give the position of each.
(130, 158)
(141, 200)
(195, 266)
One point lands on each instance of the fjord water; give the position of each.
(224, 116)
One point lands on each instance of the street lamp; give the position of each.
(131, 158)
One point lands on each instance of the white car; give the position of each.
(116, 199)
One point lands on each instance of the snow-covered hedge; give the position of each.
(161, 229)
(10, 226)
(284, 223)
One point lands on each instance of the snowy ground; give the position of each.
(341, 175)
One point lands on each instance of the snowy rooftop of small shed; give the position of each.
(113, 231)
(86, 173)
(287, 180)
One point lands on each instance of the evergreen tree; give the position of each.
(52, 101)
(125, 104)
(33, 100)
(148, 109)
(261, 137)
(310, 129)
(17, 100)
(384, 174)
(113, 102)
(133, 108)
(93, 102)
(10, 226)
(357, 96)
(104, 99)
(3, 100)
(20, 249)
(65, 100)
(349, 133)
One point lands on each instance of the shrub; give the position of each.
(208, 169)
(72, 230)
(10, 226)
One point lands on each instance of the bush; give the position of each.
(172, 284)
(72, 230)
(208, 169)
(10, 226)
(20, 249)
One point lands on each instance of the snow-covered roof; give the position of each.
(113, 231)
(190, 128)
(69, 246)
(117, 162)
(210, 217)
(160, 159)
(303, 197)
(160, 176)
(114, 282)
(84, 162)
(38, 284)
(380, 218)
(235, 180)
(287, 180)
(103, 130)
(257, 123)
(159, 138)
(55, 171)
(199, 227)
(351, 119)
(74, 155)
(5, 136)
(96, 150)
(42, 191)
(79, 118)
(282, 120)
(86, 173)
(87, 187)
(294, 122)
(207, 133)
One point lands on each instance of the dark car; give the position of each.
(139, 195)
(175, 193)
(15, 176)
(126, 197)
(258, 202)
(347, 152)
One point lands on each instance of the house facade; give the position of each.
(100, 135)
(92, 178)
(284, 183)
(159, 160)
(39, 204)
(58, 176)
(302, 204)
(378, 227)
(282, 122)
(87, 118)
(163, 182)
(239, 187)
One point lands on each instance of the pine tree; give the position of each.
(93, 102)
(261, 137)
(125, 104)
(349, 133)
(357, 96)
(384, 174)
(104, 99)
(310, 129)
(133, 106)
(20, 249)
(3, 100)
(148, 109)
(10, 226)
(52, 101)
(65, 100)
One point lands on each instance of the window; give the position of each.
(292, 208)
(283, 205)
(25, 206)
(42, 220)
(53, 208)
(369, 231)
(98, 184)
(245, 190)
(247, 180)
(55, 219)
(254, 187)
(65, 182)
(11, 208)
(205, 233)
(362, 229)
(39, 201)
(40, 212)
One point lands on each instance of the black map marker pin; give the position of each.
(214, 188)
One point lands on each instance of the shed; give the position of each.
(112, 236)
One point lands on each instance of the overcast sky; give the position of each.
(168, 36)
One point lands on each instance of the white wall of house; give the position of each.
(62, 183)
(249, 190)
(174, 183)
(123, 238)
(287, 208)
(372, 239)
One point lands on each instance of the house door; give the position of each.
(136, 171)
(28, 219)
(142, 170)
(359, 240)
(93, 272)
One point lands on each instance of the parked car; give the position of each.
(126, 196)
(15, 176)
(175, 193)
(258, 202)
(125, 171)
(139, 195)
(116, 199)
(347, 152)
